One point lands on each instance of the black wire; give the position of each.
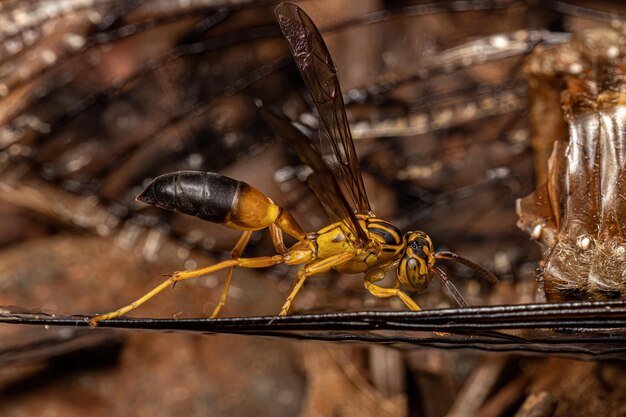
(595, 329)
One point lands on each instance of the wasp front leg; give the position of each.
(376, 275)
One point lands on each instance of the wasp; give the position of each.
(578, 212)
(357, 242)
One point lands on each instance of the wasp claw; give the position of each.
(93, 322)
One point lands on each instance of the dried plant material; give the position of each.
(579, 214)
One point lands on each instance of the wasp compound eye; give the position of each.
(413, 272)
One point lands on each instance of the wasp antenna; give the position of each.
(480, 270)
(451, 288)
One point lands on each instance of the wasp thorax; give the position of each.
(418, 258)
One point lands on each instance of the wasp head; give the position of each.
(418, 259)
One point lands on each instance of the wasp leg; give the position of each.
(235, 253)
(376, 275)
(315, 267)
(260, 262)
(277, 239)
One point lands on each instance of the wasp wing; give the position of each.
(322, 181)
(320, 76)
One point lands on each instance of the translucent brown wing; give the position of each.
(322, 181)
(320, 76)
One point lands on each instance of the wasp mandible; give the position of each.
(356, 242)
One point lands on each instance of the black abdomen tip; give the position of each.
(148, 195)
(205, 195)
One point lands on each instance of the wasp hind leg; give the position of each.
(260, 262)
(376, 275)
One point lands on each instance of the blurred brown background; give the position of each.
(98, 97)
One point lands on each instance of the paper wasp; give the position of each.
(356, 242)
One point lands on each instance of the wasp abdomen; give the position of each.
(213, 197)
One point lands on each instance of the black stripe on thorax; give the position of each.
(389, 233)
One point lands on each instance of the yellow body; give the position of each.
(335, 239)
